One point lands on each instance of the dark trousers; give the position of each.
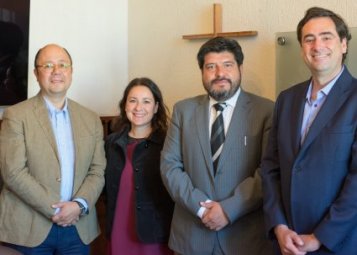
(217, 250)
(60, 241)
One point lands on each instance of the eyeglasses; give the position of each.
(49, 67)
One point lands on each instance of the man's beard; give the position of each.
(222, 95)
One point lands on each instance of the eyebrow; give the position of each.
(145, 98)
(320, 34)
(223, 62)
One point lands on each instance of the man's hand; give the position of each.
(289, 241)
(311, 243)
(67, 215)
(214, 217)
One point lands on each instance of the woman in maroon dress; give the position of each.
(139, 209)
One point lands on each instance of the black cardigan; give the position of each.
(153, 205)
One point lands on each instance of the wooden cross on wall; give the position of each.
(217, 28)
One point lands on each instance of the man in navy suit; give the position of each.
(310, 165)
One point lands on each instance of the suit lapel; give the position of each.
(41, 114)
(334, 100)
(237, 124)
(75, 123)
(201, 117)
(297, 115)
(76, 128)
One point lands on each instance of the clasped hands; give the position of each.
(67, 213)
(293, 244)
(214, 217)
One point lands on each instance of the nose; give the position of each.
(138, 106)
(219, 70)
(317, 43)
(56, 68)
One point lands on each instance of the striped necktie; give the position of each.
(217, 134)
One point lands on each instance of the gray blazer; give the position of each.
(187, 172)
(30, 170)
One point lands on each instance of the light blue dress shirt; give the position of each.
(62, 130)
(312, 107)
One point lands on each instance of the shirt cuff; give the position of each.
(83, 202)
(202, 209)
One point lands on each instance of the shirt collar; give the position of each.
(326, 89)
(52, 110)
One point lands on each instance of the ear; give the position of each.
(156, 107)
(344, 45)
(35, 71)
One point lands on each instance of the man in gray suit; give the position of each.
(217, 192)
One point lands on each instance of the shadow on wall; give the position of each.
(13, 64)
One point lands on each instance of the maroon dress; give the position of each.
(124, 240)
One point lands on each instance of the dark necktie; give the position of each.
(217, 134)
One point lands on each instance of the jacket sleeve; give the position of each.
(273, 208)
(14, 166)
(91, 163)
(177, 181)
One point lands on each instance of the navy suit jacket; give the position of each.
(312, 188)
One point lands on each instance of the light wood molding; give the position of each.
(217, 28)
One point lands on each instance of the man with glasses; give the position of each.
(52, 163)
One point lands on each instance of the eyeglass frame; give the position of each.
(49, 67)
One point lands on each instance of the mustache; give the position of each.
(222, 79)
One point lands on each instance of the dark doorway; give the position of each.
(14, 42)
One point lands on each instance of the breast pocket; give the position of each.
(341, 138)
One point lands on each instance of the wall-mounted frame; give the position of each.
(14, 42)
(290, 67)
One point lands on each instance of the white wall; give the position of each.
(95, 34)
(156, 47)
(113, 41)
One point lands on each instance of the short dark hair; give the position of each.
(39, 51)
(159, 121)
(220, 44)
(318, 12)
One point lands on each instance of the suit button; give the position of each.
(138, 208)
(137, 187)
(58, 179)
(136, 169)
